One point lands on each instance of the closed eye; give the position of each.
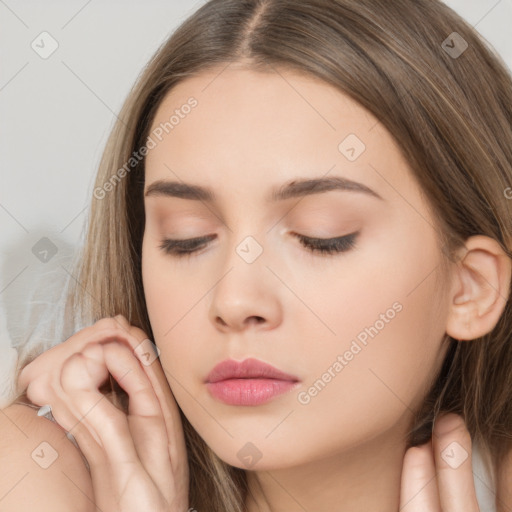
(323, 246)
(329, 245)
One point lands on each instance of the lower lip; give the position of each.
(248, 391)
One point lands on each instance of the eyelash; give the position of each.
(323, 246)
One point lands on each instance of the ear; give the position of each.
(480, 288)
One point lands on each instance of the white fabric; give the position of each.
(33, 318)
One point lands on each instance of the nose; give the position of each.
(246, 297)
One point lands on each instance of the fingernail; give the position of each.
(46, 411)
(71, 437)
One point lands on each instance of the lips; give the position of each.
(250, 382)
(247, 369)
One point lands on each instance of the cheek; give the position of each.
(382, 370)
(172, 306)
(167, 294)
(387, 350)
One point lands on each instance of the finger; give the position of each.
(140, 438)
(68, 419)
(169, 408)
(164, 466)
(106, 329)
(418, 490)
(157, 375)
(452, 455)
(145, 420)
(67, 411)
(148, 354)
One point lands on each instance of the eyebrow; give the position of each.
(293, 189)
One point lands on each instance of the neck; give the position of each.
(366, 477)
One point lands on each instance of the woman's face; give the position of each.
(360, 330)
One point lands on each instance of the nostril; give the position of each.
(256, 319)
(221, 322)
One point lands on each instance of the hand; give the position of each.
(138, 460)
(438, 475)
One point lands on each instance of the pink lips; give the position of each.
(250, 382)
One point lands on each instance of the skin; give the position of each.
(136, 461)
(344, 450)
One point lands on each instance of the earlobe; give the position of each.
(481, 287)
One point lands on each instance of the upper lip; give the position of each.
(247, 369)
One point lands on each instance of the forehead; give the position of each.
(266, 127)
(229, 94)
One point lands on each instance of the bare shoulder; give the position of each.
(45, 470)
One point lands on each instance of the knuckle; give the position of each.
(93, 350)
(112, 329)
(113, 332)
(119, 324)
(122, 322)
(113, 348)
(73, 359)
(71, 368)
(39, 391)
(107, 322)
(121, 353)
(121, 319)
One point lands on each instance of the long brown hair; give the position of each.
(448, 105)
